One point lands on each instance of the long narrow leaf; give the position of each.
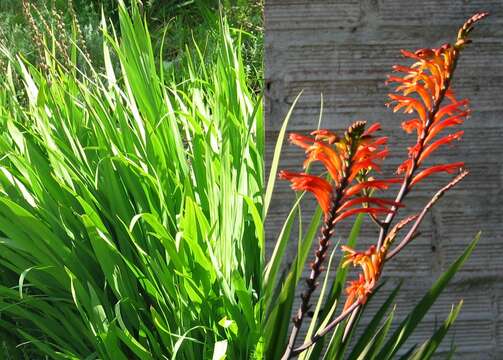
(406, 328)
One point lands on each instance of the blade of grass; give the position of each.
(276, 157)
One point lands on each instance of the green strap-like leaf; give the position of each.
(427, 350)
(370, 329)
(275, 159)
(369, 351)
(409, 324)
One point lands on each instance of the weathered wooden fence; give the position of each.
(343, 49)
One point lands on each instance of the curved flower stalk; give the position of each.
(423, 91)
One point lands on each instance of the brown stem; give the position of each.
(410, 235)
(350, 323)
(316, 269)
(326, 329)
(395, 230)
(376, 221)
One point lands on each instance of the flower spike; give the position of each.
(345, 158)
(421, 90)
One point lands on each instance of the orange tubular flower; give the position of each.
(369, 185)
(449, 168)
(357, 290)
(327, 155)
(320, 188)
(371, 262)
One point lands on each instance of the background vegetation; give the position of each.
(174, 26)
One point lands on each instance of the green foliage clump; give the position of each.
(130, 204)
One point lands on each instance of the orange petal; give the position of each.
(369, 200)
(424, 53)
(370, 184)
(368, 210)
(450, 109)
(411, 55)
(325, 135)
(410, 104)
(396, 79)
(449, 94)
(450, 121)
(405, 167)
(372, 129)
(369, 146)
(302, 141)
(363, 165)
(424, 94)
(347, 249)
(429, 83)
(413, 124)
(367, 163)
(320, 188)
(328, 157)
(437, 74)
(449, 168)
(435, 145)
(404, 69)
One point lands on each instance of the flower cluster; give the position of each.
(371, 263)
(420, 92)
(346, 159)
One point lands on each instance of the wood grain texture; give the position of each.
(343, 49)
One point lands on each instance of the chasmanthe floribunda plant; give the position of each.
(351, 187)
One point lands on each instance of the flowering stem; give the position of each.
(327, 231)
(419, 219)
(405, 188)
(316, 269)
(355, 307)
